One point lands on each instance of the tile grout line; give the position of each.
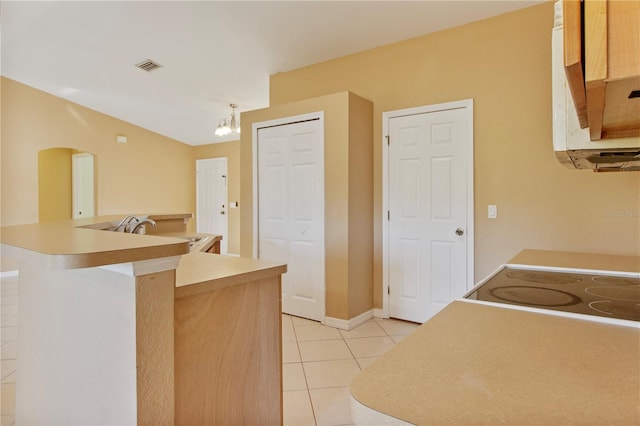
(304, 373)
(351, 352)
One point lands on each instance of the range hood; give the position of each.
(572, 145)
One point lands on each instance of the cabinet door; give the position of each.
(573, 61)
(612, 68)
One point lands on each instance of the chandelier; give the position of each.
(229, 125)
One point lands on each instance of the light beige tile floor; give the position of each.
(319, 362)
(8, 348)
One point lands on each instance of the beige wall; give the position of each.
(348, 195)
(360, 186)
(54, 183)
(504, 64)
(149, 174)
(230, 150)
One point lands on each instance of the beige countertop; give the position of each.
(81, 243)
(486, 365)
(165, 216)
(202, 272)
(78, 244)
(201, 242)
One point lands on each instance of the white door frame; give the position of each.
(319, 115)
(467, 105)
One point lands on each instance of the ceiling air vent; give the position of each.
(148, 65)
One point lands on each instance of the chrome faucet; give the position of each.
(126, 223)
(140, 225)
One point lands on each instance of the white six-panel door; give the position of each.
(428, 223)
(291, 211)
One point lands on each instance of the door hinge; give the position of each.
(388, 215)
(389, 290)
(388, 139)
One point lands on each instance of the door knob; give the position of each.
(459, 231)
(222, 212)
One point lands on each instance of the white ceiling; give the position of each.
(213, 52)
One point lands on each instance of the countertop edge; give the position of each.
(95, 259)
(76, 244)
(576, 260)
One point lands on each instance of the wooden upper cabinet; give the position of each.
(573, 61)
(608, 101)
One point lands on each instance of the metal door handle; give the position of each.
(222, 212)
(459, 231)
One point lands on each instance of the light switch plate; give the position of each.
(492, 211)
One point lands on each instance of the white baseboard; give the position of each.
(349, 324)
(379, 313)
(8, 274)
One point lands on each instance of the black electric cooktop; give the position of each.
(611, 296)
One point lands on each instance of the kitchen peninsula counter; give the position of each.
(80, 243)
(478, 364)
(234, 375)
(134, 322)
(202, 272)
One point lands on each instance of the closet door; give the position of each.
(291, 211)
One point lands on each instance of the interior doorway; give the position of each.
(428, 208)
(82, 185)
(211, 199)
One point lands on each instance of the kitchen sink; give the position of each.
(193, 241)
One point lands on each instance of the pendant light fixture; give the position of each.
(229, 125)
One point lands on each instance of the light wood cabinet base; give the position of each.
(228, 356)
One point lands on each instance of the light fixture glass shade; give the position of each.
(222, 129)
(226, 127)
(229, 125)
